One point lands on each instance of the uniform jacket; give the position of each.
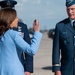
(64, 48)
(25, 58)
(9, 60)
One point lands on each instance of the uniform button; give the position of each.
(74, 59)
(74, 36)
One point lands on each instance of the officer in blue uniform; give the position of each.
(26, 59)
(63, 55)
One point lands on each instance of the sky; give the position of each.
(48, 12)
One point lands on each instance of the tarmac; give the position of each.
(43, 58)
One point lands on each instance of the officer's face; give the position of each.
(71, 11)
(14, 23)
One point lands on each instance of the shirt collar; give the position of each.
(72, 21)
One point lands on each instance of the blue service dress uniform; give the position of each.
(64, 48)
(25, 58)
(9, 60)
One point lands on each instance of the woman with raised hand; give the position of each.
(10, 39)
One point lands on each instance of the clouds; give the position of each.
(30, 1)
(36, 7)
(47, 11)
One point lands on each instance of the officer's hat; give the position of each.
(7, 3)
(70, 2)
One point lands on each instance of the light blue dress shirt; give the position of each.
(72, 21)
(9, 60)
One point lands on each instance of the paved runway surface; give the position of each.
(43, 58)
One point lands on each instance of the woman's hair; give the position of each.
(7, 16)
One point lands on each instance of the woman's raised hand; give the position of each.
(36, 25)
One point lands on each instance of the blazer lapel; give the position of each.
(69, 27)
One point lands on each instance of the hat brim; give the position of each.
(3, 3)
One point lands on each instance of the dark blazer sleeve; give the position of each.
(56, 51)
(28, 62)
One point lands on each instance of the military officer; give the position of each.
(26, 59)
(63, 55)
